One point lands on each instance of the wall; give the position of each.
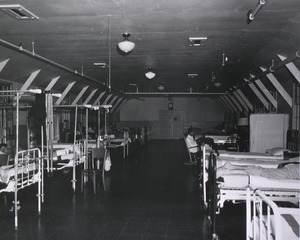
(200, 112)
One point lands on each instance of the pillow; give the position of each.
(277, 151)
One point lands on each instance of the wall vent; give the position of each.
(18, 12)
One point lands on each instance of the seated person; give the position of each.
(283, 171)
(192, 146)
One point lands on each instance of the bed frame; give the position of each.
(78, 156)
(218, 195)
(28, 170)
(116, 142)
(273, 221)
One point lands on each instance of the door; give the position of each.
(177, 122)
(171, 124)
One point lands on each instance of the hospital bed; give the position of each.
(119, 139)
(233, 187)
(216, 159)
(26, 171)
(267, 220)
(67, 155)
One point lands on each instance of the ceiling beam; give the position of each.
(279, 87)
(107, 98)
(266, 92)
(235, 102)
(234, 107)
(277, 66)
(79, 95)
(3, 63)
(99, 98)
(245, 99)
(220, 103)
(121, 105)
(259, 95)
(28, 82)
(90, 96)
(291, 67)
(52, 63)
(65, 92)
(113, 100)
(52, 83)
(224, 104)
(227, 104)
(238, 97)
(117, 104)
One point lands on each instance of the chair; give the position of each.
(95, 167)
(194, 157)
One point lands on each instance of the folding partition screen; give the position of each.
(268, 131)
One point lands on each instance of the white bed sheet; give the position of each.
(244, 180)
(250, 155)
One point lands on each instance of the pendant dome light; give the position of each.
(126, 45)
(150, 74)
(161, 87)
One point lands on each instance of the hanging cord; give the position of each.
(109, 54)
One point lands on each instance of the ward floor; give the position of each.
(150, 195)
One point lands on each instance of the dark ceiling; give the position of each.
(75, 34)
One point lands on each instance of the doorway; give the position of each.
(171, 124)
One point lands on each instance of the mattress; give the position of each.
(244, 180)
(7, 173)
(221, 161)
(250, 155)
(62, 145)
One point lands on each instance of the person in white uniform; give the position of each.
(192, 146)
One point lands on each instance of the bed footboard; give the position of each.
(267, 220)
(28, 170)
(212, 193)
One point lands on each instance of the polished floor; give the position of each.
(150, 195)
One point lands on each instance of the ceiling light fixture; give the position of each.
(126, 45)
(18, 12)
(149, 75)
(101, 65)
(252, 14)
(197, 41)
(216, 82)
(160, 87)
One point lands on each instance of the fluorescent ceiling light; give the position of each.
(197, 41)
(101, 65)
(18, 12)
(192, 75)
